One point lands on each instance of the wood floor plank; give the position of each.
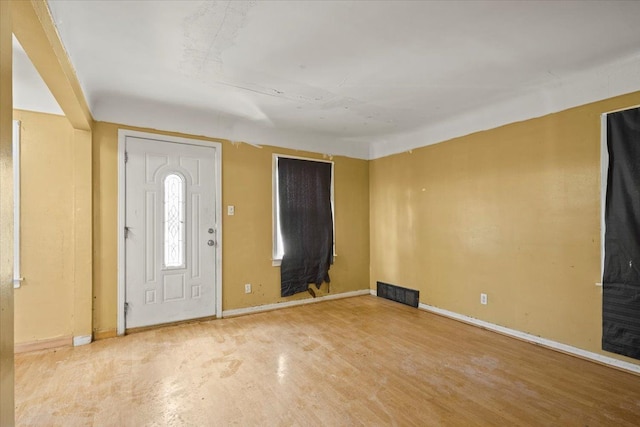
(357, 361)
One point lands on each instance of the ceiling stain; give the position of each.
(214, 27)
(209, 32)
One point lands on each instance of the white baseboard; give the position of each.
(278, 305)
(373, 292)
(81, 340)
(554, 345)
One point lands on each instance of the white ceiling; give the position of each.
(357, 78)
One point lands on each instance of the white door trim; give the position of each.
(122, 135)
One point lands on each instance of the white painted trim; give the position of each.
(121, 224)
(373, 292)
(122, 136)
(554, 345)
(81, 340)
(17, 278)
(166, 138)
(604, 177)
(218, 210)
(631, 107)
(274, 218)
(310, 159)
(279, 305)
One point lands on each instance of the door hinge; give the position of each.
(126, 157)
(126, 232)
(126, 308)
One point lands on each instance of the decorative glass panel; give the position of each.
(173, 221)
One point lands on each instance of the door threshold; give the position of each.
(130, 331)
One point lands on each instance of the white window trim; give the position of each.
(275, 261)
(604, 175)
(17, 278)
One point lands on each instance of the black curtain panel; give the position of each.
(621, 278)
(306, 223)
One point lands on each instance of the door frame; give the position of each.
(122, 137)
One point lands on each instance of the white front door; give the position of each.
(170, 231)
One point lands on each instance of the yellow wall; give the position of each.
(513, 212)
(247, 242)
(32, 25)
(44, 303)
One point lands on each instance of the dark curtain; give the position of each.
(306, 223)
(621, 278)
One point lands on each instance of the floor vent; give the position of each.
(396, 293)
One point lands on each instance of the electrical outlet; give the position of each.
(483, 299)
(231, 210)
(247, 288)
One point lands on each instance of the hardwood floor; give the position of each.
(356, 361)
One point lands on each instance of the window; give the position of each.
(174, 221)
(303, 222)
(621, 221)
(278, 246)
(17, 279)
